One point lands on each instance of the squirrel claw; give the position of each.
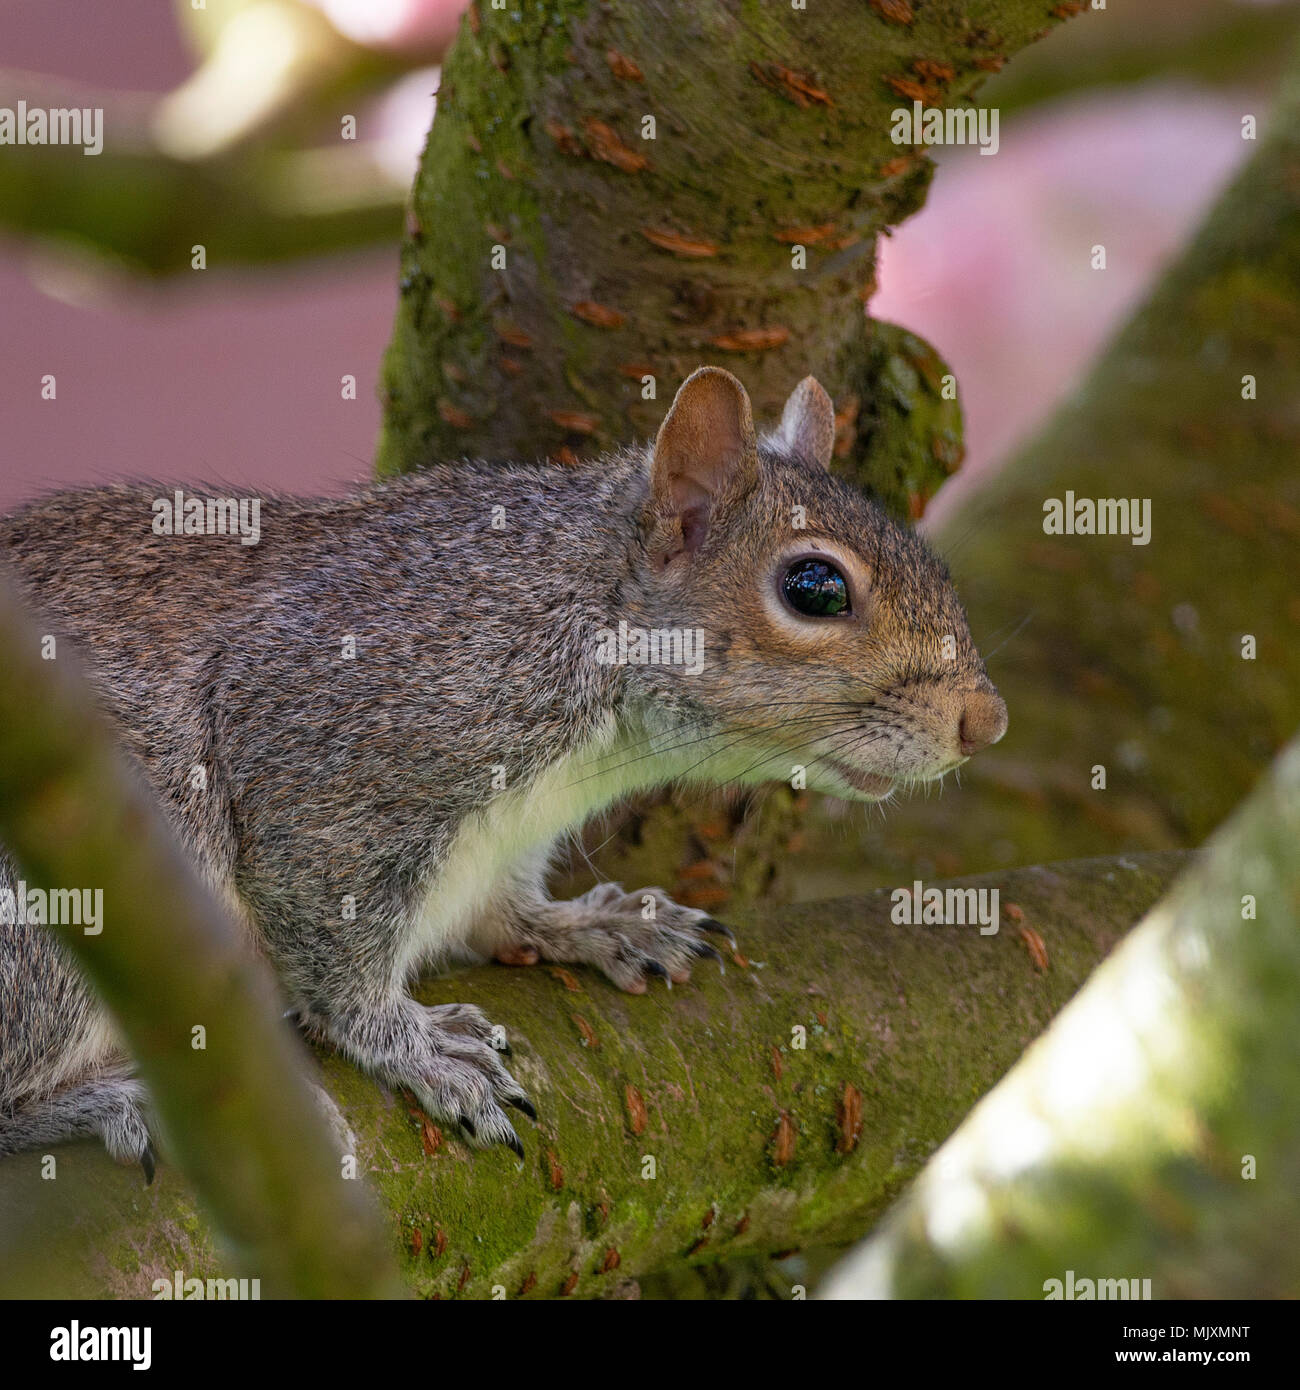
(718, 928)
(524, 1104)
(511, 1142)
(467, 1125)
(149, 1163)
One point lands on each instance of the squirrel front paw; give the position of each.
(630, 937)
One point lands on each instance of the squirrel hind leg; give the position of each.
(447, 1055)
(111, 1108)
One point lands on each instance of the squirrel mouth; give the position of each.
(868, 783)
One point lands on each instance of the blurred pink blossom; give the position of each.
(425, 26)
(995, 271)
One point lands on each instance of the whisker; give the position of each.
(1020, 627)
(748, 731)
(737, 709)
(785, 751)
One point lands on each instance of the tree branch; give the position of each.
(1151, 1133)
(754, 1140)
(145, 208)
(1132, 657)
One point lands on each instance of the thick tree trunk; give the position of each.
(1151, 1134)
(557, 258)
(781, 1103)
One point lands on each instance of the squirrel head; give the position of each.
(822, 635)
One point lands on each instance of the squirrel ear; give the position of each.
(808, 423)
(705, 451)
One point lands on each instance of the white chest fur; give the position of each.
(513, 836)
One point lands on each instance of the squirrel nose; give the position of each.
(983, 721)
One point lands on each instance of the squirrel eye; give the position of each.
(816, 589)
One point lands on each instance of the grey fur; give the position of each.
(331, 779)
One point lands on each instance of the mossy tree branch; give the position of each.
(757, 1143)
(1132, 657)
(143, 209)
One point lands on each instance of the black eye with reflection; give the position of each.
(814, 588)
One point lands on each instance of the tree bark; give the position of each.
(1151, 1133)
(560, 265)
(757, 1143)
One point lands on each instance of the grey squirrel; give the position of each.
(401, 700)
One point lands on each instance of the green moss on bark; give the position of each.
(771, 132)
(1133, 658)
(920, 1021)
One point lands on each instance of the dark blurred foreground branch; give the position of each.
(237, 1115)
(1151, 1134)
